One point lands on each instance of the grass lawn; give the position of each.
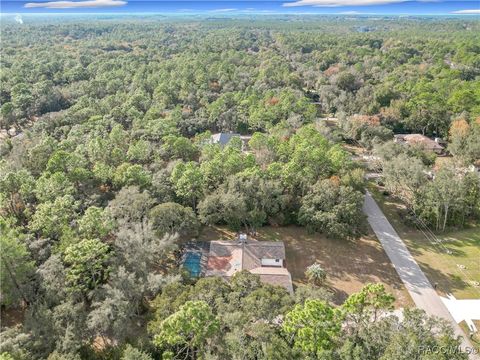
(349, 264)
(454, 272)
(475, 339)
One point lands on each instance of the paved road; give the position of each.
(417, 284)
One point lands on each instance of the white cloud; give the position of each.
(470, 11)
(334, 3)
(18, 19)
(75, 4)
(349, 12)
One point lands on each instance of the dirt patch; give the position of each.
(211, 233)
(12, 317)
(349, 264)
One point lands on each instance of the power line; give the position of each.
(430, 235)
(438, 244)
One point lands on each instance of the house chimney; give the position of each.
(242, 238)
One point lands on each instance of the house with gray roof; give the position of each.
(264, 258)
(223, 139)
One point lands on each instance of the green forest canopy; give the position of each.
(107, 125)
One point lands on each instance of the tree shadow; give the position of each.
(445, 282)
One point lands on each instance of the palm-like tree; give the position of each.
(316, 274)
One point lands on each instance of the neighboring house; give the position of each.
(421, 141)
(223, 139)
(264, 258)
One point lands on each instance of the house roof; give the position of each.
(227, 257)
(422, 140)
(275, 276)
(223, 138)
(250, 260)
(224, 258)
(267, 249)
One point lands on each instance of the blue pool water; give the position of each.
(192, 263)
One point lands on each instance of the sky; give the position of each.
(469, 8)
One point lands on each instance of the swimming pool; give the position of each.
(192, 263)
